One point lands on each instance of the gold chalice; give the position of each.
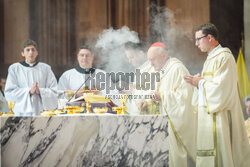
(88, 108)
(11, 105)
(123, 100)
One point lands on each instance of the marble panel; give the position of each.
(84, 140)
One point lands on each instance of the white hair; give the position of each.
(162, 50)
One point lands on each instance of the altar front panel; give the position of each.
(84, 140)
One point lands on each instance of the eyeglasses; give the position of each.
(85, 55)
(198, 39)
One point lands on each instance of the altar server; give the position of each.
(31, 84)
(138, 59)
(136, 55)
(221, 137)
(173, 98)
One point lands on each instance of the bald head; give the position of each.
(157, 56)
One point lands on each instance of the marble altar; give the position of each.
(84, 140)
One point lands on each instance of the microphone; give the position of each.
(80, 87)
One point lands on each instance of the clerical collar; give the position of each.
(28, 65)
(85, 71)
(214, 49)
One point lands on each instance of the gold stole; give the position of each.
(208, 155)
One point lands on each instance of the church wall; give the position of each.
(15, 28)
(60, 26)
(190, 14)
(228, 18)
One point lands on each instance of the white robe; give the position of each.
(177, 104)
(133, 103)
(176, 97)
(221, 136)
(19, 82)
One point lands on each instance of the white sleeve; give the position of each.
(49, 93)
(13, 92)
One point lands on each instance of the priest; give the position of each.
(136, 55)
(172, 97)
(31, 84)
(138, 59)
(84, 76)
(221, 135)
